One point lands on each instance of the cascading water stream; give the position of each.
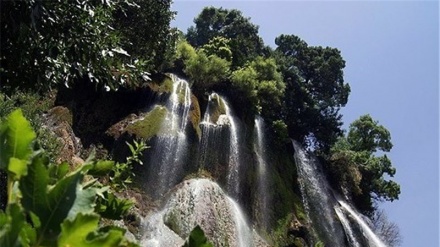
(321, 208)
(233, 179)
(348, 230)
(171, 146)
(262, 190)
(213, 134)
(372, 238)
(198, 202)
(317, 202)
(243, 232)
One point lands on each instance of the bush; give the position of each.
(204, 70)
(55, 206)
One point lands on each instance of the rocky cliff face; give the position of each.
(185, 203)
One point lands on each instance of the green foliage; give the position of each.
(280, 235)
(59, 206)
(122, 173)
(355, 166)
(261, 83)
(367, 135)
(144, 28)
(315, 90)
(197, 239)
(34, 107)
(245, 44)
(203, 69)
(280, 129)
(62, 42)
(16, 136)
(82, 231)
(111, 207)
(54, 42)
(220, 47)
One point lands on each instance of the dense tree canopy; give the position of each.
(315, 90)
(260, 82)
(245, 43)
(48, 43)
(145, 32)
(355, 165)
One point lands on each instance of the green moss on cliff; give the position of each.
(195, 116)
(150, 125)
(162, 86)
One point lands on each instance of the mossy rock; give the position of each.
(165, 85)
(195, 116)
(150, 125)
(60, 114)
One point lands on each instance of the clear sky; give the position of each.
(391, 51)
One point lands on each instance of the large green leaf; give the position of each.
(16, 136)
(11, 224)
(83, 232)
(84, 203)
(101, 168)
(52, 204)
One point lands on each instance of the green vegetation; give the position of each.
(116, 45)
(47, 204)
(212, 22)
(261, 83)
(203, 69)
(54, 43)
(355, 165)
(315, 90)
(197, 239)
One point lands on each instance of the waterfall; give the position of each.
(170, 148)
(372, 238)
(322, 203)
(317, 202)
(262, 189)
(218, 125)
(243, 232)
(348, 230)
(233, 179)
(198, 202)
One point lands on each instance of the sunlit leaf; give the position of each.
(16, 136)
(82, 232)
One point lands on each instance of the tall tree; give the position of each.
(315, 90)
(48, 42)
(214, 22)
(355, 165)
(145, 31)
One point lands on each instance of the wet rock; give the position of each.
(59, 122)
(199, 202)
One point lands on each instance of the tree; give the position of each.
(315, 90)
(214, 22)
(45, 44)
(145, 31)
(388, 231)
(261, 84)
(220, 47)
(203, 69)
(355, 166)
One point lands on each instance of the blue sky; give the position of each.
(391, 51)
